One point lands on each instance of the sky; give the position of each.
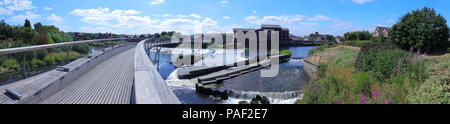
(302, 17)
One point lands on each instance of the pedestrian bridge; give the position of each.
(121, 74)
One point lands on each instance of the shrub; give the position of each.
(286, 52)
(422, 29)
(38, 62)
(363, 83)
(379, 59)
(435, 90)
(60, 57)
(11, 64)
(81, 48)
(325, 91)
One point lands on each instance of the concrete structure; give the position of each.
(38, 88)
(118, 75)
(150, 87)
(284, 32)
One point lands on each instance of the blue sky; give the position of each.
(302, 17)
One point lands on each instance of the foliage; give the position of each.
(60, 57)
(11, 64)
(358, 35)
(286, 52)
(321, 48)
(435, 90)
(355, 43)
(379, 59)
(38, 62)
(81, 48)
(422, 29)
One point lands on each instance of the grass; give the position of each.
(342, 83)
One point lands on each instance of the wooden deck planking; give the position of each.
(108, 83)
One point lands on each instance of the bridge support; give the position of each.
(67, 54)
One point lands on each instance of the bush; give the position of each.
(81, 48)
(422, 29)
(435, 90)
(325, 91)
(11, 64)
(379, 59)
(363, 83)
(60, 57)
(286, 52)
(357, 43)
(38, 62)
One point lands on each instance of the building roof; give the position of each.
(270, 26)
(380, 29)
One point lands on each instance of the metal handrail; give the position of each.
(46, 46)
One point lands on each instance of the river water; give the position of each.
(284, 88)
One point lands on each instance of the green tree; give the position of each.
(38, 27)
(423, 29)
(26, 34)
(27, 23)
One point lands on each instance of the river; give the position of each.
(282, 89)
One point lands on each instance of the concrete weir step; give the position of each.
(221, 76)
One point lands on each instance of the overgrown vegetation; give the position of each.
(380, 74)
(322, 48)
(20, 36)
(422, 29)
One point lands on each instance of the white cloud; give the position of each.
(195, 16)
(251, 18)
(4, 11)
(343, 25)
(127, 22)
(21, 17)
(131, 12)
(309, 23)
(282, 20)
(319, 18)
(48, 8)
(96, 29)
(389, 21)
(224, 2)
(7, 7)
(103, 16)
(56, 20)
(155, 2)
(226, 17)
(362, 1)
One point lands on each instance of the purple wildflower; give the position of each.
(388, 101)
(425, 54)
(411, 50)
(418, 52)
(363, 99)
(338, 101)
(399, 64)
(353, 98)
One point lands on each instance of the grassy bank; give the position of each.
(378, 76)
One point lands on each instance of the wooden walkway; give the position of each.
(109, 83)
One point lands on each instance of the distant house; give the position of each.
(381, 31)
(320, 37)
(307, 38)
(294, 38)
(339, 39)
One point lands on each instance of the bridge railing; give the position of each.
(26, 58)
(149, 86)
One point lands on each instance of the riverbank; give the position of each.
(339, 81)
